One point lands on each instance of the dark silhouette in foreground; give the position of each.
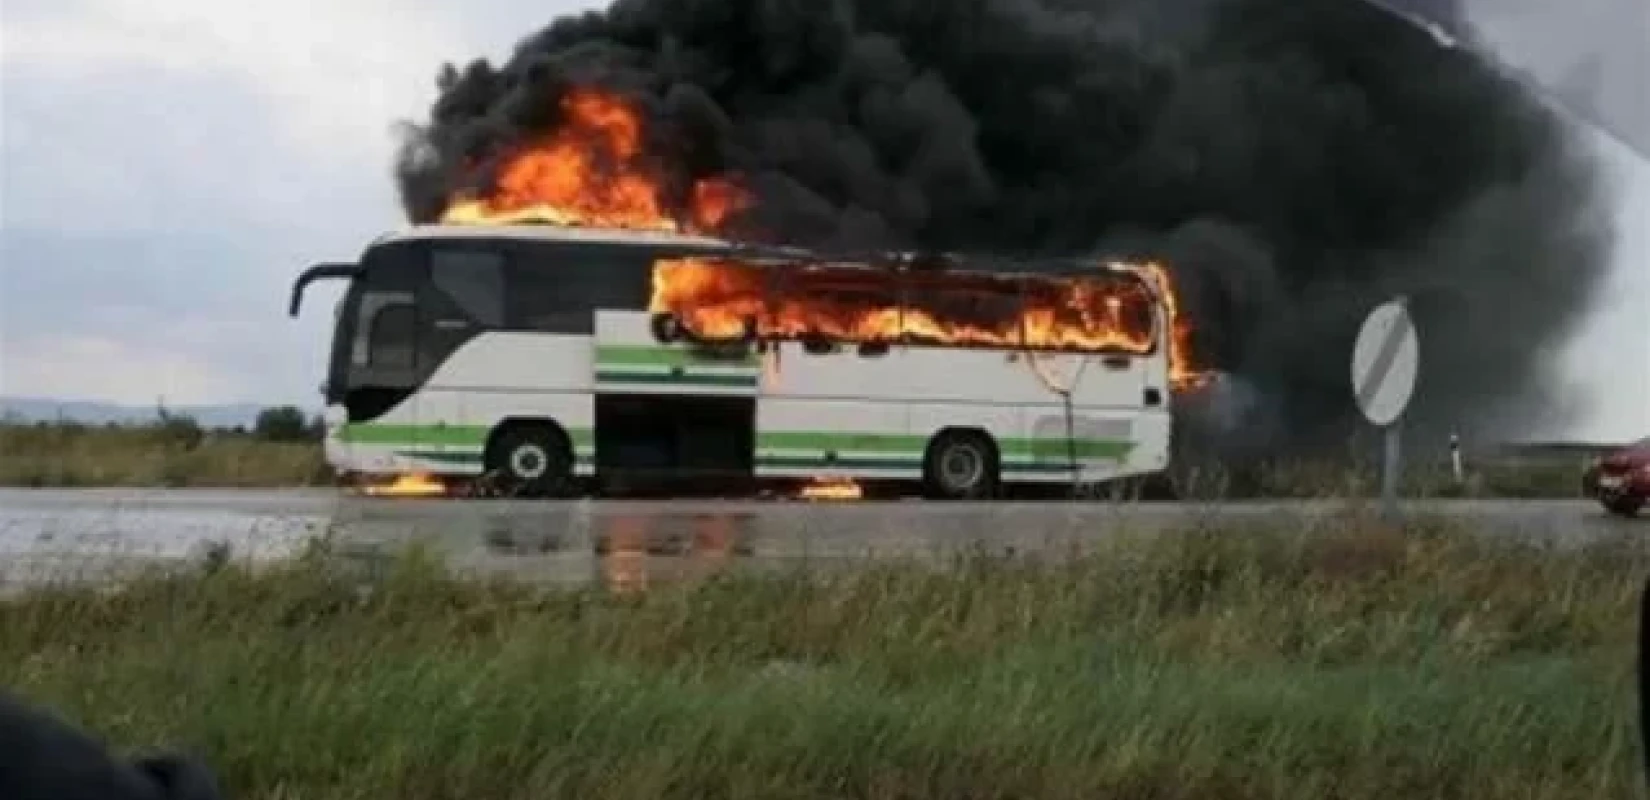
(44, 757)
(1644, 677)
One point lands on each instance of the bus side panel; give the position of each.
(874, 416)
(1019, 399)
(833, 415)
(1150, 453)
(1119, 417)
(500, 376)
(987, 390)
(385, 446)
(629, 359)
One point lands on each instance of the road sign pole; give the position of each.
(1391, 469)
(1384, 366)
(1456, 468)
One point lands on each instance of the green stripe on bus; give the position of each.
(468, 459)
(843, 462)
(684, 379)
(890, 463)
(1042, 448)
(441, 457)
(433, 435)
(436, 435)
(859, 442)
(645, 356)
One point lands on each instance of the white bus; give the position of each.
(539, 356)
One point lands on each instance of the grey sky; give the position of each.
(169, 166)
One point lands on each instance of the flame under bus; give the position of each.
(538, 357)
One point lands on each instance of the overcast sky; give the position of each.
(169, 165)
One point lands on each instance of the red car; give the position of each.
(1621, 479)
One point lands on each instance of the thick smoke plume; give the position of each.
(1293, 161)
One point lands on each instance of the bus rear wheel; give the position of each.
(530, 461)
(960, 465)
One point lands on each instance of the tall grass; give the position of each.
(162, 455)
(1543, 476)
(1215, 663)
(74, 456)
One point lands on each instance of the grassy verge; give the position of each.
(1208, 664)
(1513, 477)
(68, 456)
(72, 456)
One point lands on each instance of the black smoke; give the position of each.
(1294, 161)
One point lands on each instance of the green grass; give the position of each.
(1234, 663)
(73, 456)
(68, 456)
(1544, 476)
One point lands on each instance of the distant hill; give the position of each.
(34, 409)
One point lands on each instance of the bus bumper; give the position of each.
(333, 447)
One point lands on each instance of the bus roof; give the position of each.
(671, 243)
(555, 233)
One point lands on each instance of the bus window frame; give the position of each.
(500, 260)
(575, 259)
(1155, 307)
(366, 349)
(906, 283)
(392, 275)
(907, 287)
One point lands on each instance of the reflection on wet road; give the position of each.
(628, 545)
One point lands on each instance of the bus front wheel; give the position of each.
(960, 464)
(531, 460)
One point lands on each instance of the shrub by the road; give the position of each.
(174, 451)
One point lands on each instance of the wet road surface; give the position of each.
(95, 534)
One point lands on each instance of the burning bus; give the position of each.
(537, 356)
(576, 317)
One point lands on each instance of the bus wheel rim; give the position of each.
(529, 461)
(962, 466)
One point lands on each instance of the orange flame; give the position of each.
(591, 171)
(412, 485)
(832, 489)
(1183, 375)
(716, 300)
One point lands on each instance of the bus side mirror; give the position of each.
(666, 328)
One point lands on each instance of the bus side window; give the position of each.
(388, 334)
(560, 292)
(968, 311)
(392, 337)
(474, 281)
(541, 299)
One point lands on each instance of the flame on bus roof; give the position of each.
(590, 170)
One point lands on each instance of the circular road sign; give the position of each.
(1385, 362)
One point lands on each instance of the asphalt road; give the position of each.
(82, 533)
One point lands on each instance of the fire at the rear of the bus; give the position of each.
(545, 365)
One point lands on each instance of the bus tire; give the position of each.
(530, 460)
(961, 465)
